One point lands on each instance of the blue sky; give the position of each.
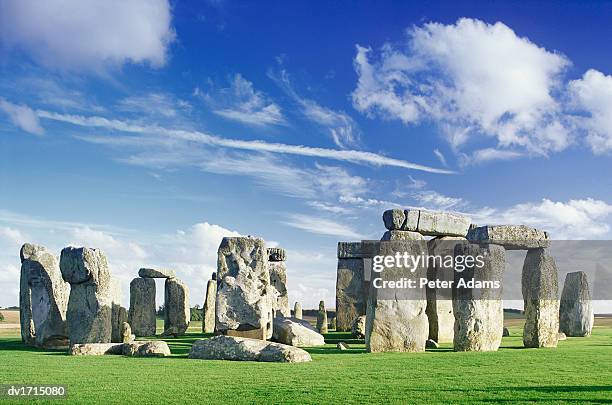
(152, 129)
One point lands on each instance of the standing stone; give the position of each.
(576, 310)
(332, 324)
(208, 318)
(142, 316)
(43, 298)
(479, 313)
(541, 302)
(244, 299)
(126, 333)
(358, 328)
(396, 320)
(89, 311)
(119, 314)
(322, 318)
(278, 281)
(297, 310)
(351, 288)
(177, 312)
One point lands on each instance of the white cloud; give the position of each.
(433, 200)
(480, 156)
(472, 78)
(321, 226)
(440, 157)
(88, 35)
(22, 117)
(593, 96)
(241, 102)
(154, 104)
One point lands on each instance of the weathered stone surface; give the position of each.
(43, 297)
(243, 349)
(512, 237)
(541, 302)
(126, 333)
(332, 324)
(278, 283)
(506, 332)
(358, 327)
(351, 292)
(561, 336)
(244, 294)
(342, 346)
(95, 349)
(322, 318)
(296, 332)
(177, 313)
(402, 235)
(431, 344)
(479, 313)
(395, 319)
(156, 273)
(297, 310)
(142, 315)
(208, 313)
(119, 314)
(155, 348)
(89, 312)
(426, 222)
(576, 309)
(276, 254)
(350, 250)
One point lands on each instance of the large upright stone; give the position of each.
(351, 288)
(426, 222)
(208, 315)
(177, 313)
(512, 237)
(43, 298)
(322, 326)
(297, 310)
(119, 314)
(278, 281)
(396, 320)
(479, 312)
(142, 315)
(576, 309)
(541, 300)
(89, 310)
(244, 299)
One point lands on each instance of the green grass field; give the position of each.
(579, 370)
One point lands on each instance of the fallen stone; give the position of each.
(156, 273)
(479, 313)
(351, 292)
(244, 293)
(43, 298)
(427, 223)
(506, 332)
(358, 327)
(243, 349)
(541, 302)
(177, 313)
(297, 310)
(208, 319)
(296, 332)
(157, 348)
(95, 349)
(276, 254)
(89, 312)
(342, 346)
(322, 318)
(431, 344)
(576, 316)
(143, 314)
(402, 235)
(511, 237)
(561, 336)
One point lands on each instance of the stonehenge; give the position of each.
(322, 325)
(278, 281)
(119, 315)
(208, 311)
(43, 298)
(576, 309)
(177, 312)
(351, 288)
(296, 332)
(143, 314)
(297, 310)
(245, 349)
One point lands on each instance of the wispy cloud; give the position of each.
(321, 226)
(22, 117)
(154, 104)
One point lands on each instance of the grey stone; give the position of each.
(244, 349)
(479, 313)
(297, 310)
(342, 346)
(155, 348)
(322, 318)
(208, 313)
(431, 344)
(350, 250)
(395, 319)
(351, 292)
(296, 332)
(244, 293)
(95, 349)
(276, 254)
(89, 312)
(561, 336)
(576, 316)
(142, 315)
(156, 273)
(402, 235)
(512, 237)
(278, 283)
(119, 314)
(541, 302)
(43, 298)
(177, 313)
(426, 222)
(506, 332)
(332, 324)
(401, 220)
(358, 327)
(126, 333)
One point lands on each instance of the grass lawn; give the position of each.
(579, 370)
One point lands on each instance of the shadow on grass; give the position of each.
(332, 350)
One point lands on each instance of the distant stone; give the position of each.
(431, 344)
(296, 332)
(297, 310)
(561, 336)
(541, 300)
(157, 348)
(143, 314)
(43, 297)
(278, 283)
(358, 327)
(402, 235)
(126, 333)
(332, 323)
(177, 313)
(576, 316)
(156, 273)
(276, 254)
(95, 349)
(342, 346)
(208, 319)
(511, 237)
(322, 318)
(89, 312)
(244, 349)
(506, 332)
